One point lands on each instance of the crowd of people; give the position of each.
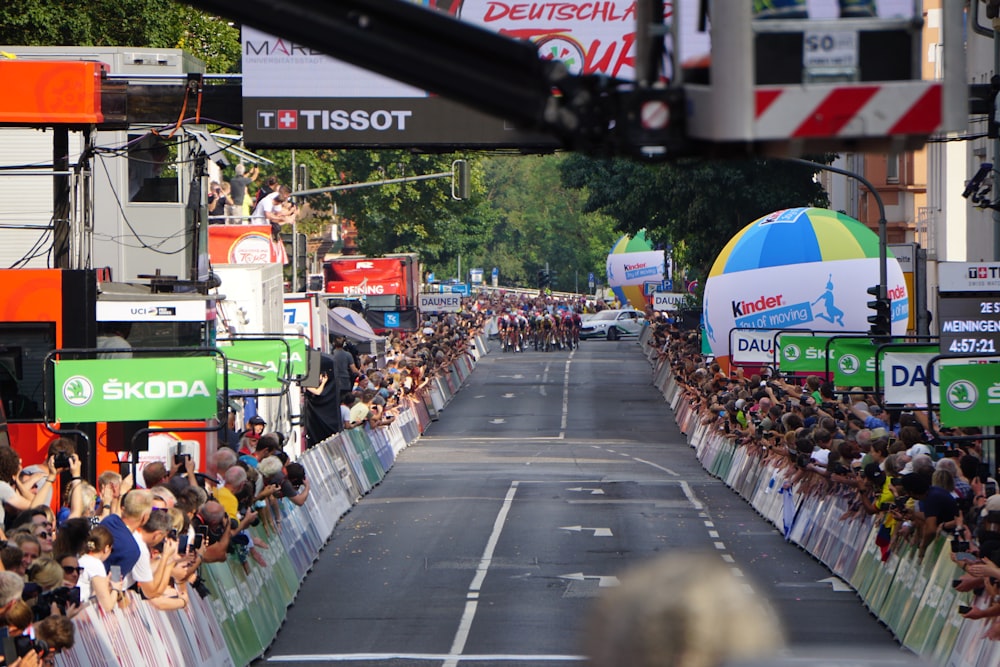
(918, 479)
(232, 202)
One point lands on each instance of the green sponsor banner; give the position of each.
(300, 356)
(853, 362)
(115, 390)
(706, 346)
(802, 354)
(254, 364)
(970, 394)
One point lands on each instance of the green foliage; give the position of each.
(539, 221)
(694, 205)
(143, 23)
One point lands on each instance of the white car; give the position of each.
(613, 324)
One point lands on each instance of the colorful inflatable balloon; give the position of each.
(800, 268)
(632, 264)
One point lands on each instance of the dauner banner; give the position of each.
(115, 390)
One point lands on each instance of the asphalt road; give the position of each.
(546, 477)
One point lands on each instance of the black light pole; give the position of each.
(883, 234)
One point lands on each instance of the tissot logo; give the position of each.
(337, 120)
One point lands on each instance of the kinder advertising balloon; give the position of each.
(801, 268)
(631, 265)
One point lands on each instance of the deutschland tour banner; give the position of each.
(114, 390)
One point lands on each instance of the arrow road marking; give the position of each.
(508, 395)
(598, 532)
(839, 585)
(498, 420)
(603, 582)
(593, 492)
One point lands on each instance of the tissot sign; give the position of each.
(297, 96)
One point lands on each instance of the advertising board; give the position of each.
(297, 96)
(439, 303)
(115, 390)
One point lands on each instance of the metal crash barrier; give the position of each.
(241, 617)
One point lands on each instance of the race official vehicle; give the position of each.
(613, 324)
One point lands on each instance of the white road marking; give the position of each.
(598, 532)
(465, 624)
(729, 559)
(721, 546)
(659, 467)
(593, 492)
(429, 657)
(690, 496)
(603, 581)
(565, 396)
(714, 534)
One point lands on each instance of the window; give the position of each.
(152, 174)
(892, 168)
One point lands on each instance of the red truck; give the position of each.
(392, 281)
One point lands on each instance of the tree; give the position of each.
(142, 23)
(694, 205)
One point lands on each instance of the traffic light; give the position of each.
(459, 179)
(544, 279)
(881, 321)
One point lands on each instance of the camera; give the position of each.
(978, 187)
(61, 460)
(20, 646)
(62, 597)
(958, 545)
(179, 459)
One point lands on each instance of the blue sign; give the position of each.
(667, 286)
(391, 320)
(496, 272)
(590, 279)
(460, 288)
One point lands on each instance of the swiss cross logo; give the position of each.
(288, 119)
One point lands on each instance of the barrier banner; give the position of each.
(913, 597)
(934, 623)
(241, 616)
(244, 244)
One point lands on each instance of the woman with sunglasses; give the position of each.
(71, 570)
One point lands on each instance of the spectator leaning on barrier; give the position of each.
(94, 580)
(217, 527)
(137, 505)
